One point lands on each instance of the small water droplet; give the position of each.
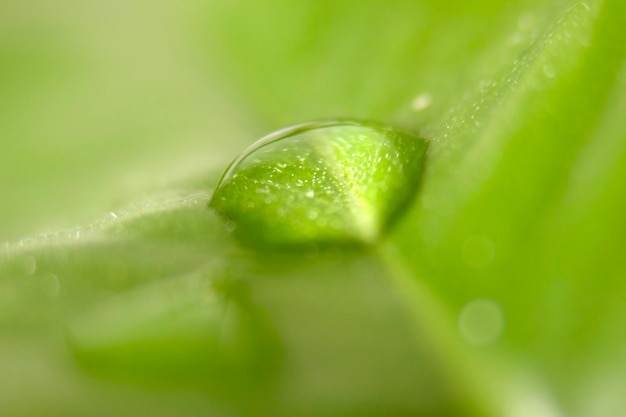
(481, 322)
(338, 182)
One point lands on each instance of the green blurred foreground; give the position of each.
(499, 293)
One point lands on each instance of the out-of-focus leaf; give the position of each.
(517, 205)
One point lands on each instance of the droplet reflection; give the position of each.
(334, 182)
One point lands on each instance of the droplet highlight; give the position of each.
(332, 182)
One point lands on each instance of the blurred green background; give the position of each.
(102, 100)
(500, 293)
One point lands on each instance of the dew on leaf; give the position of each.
(331, 182)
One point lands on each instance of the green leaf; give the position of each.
(498, 293)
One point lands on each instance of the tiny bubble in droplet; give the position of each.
(481, 322)
(29, 265)
(548, 70)
(50, 285)
(421, 102)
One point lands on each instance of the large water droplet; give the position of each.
(332, 182)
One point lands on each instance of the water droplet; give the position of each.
(338, 182)
(481, 322)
